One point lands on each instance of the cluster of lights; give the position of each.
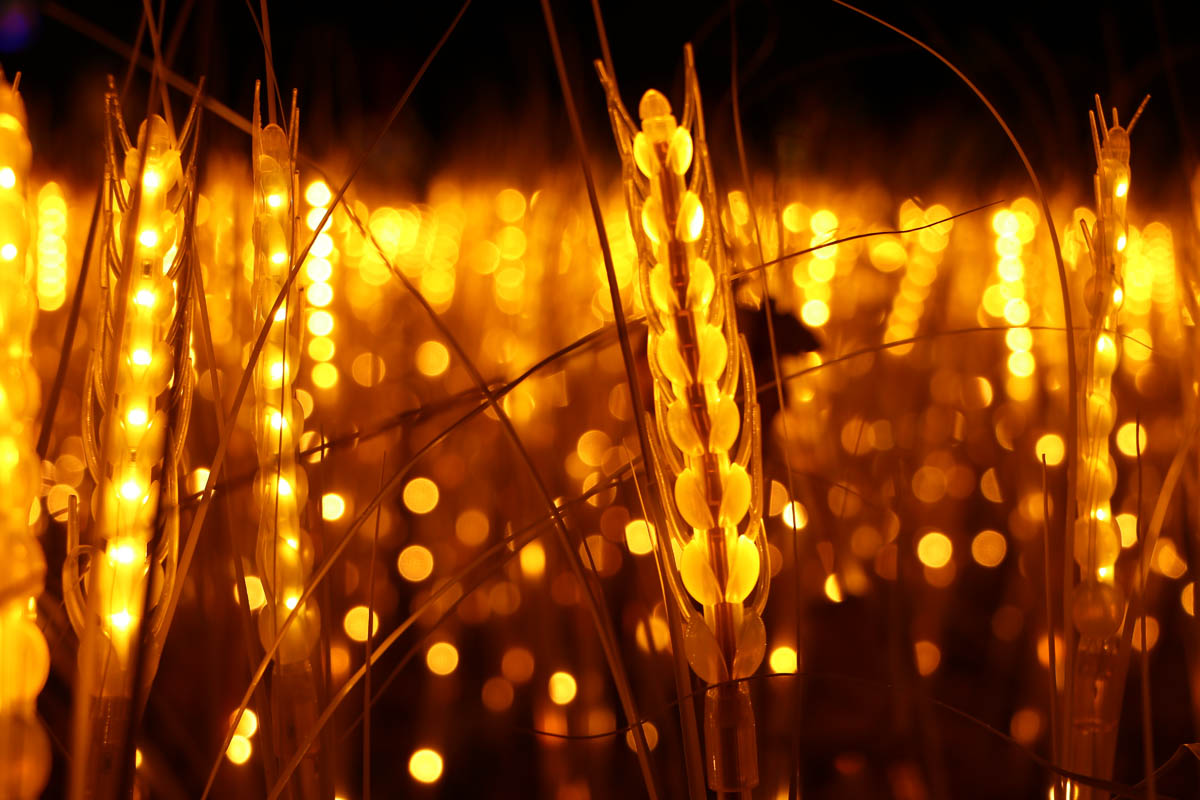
(24, 656)
(921, 259)
(318, 294)
(51, 247)
(1007, 297)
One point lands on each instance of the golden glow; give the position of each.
(420, 495)
(324, 375)
(8, 178)
(1121, 189)
(1051, 448)
(415, 563)
(935, 550)
(144, 298)
(988, 548)
(1129, 436)
(320, 323)
(332, 506)
(928, 656)
(317, 194)
(639, 537)
(239, 750)
(795, 516)
(425, 765)
(140, 357)
(783, 659)
(441, 658)
(432, 358)
(136, 417)
(355, 623)
(832, 590)
(562, 688)
(247, 724)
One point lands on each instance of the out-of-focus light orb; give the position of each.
(1187, 599)
(415, 563)
(935, 549)
(333, 507)
(239, 749)
(368, 369)
(928, 656)
(1128, 437)
(497, 694)
(510, 205)
(420, 495)
(317, 193)
(562, 688)
(318, 271)
(988, 548)
(783, 659)
(355, 623)
(320, 323)
(1050, 446)
(639, 537)
(1021, 363)
(320, 294)
(517, 664)
(425, 765)
(823, 221)
(247, 724)
(795, 515)
(649, 731)
(1026, 726)
(321, 348)
(441, 658)
(1127, 525)
(255, 595)
(472, 527)
(832, 589)
(432, 358)
(815, 313)
(324, 376)
(532, 559)
(1151, 633)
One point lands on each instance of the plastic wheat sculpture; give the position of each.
(1099, 604)
(707, 445)
(24, 657)
(137, 401)
(284, 551)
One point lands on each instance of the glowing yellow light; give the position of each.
(795, 515)
(533, 560)
(148, 237)
(815, 313)
(1121, 243)
(1122, 189)
(121, 620)
(415, 563)
(441, 658)
(277, 421)
(247, 724)
(425, 765)
(318, 270)
(324, 375)
(333, 506)
(823, 221)
(320, 294)
(279, 257)
(131, 489)
(140, 357)
(783, 659)
(562, 688)
(1050, 446)
(320, 323)
(1127, 525)
(124, 553)
(322, 246)
(137, 757)
(292, 542)
(832, 590)
(291, 601)
(928, 657)
(1021, 364)
(256, 596)
(432, 358)
(639, 537)
(274, 200)
(510, 205)
(1128, 437)
(283, 486)
(355, 623)
(420, 495)
(935, 549)
(151, 180)
(988, 548)
(1118, 296)
(144, 297)
(318, 194)
(239, 749)
(8, 178)
(136, 417)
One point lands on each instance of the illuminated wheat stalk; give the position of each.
(705, 446)
(136, 408)
(1099, 605)
(284, 552)
(24, 657)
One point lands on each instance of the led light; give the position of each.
(274, 200)
(290, 601)
(562, 688)
(8, 178)
(140, 357)
(277, 420)
(122, 554)
(1122, 189)
(131, 489)
(136, 417)
(278, 257)
(151, 180)
(144, 297)
(121, 620)
(8, 252)
(1121, 243)
(425, 764)
(148, 238)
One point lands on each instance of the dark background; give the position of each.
(825, 92)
